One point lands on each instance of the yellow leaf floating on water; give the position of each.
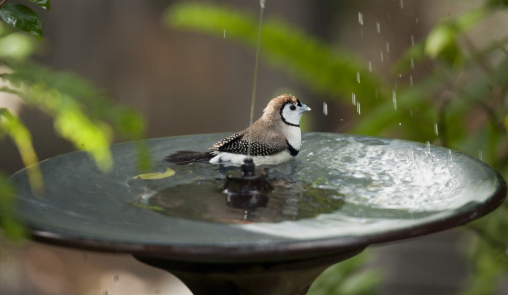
(156, 175)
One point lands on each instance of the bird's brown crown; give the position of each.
(271, 111)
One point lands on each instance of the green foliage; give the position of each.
(23, 17)
(82, 114)
(321, 67)
(12, 229)
(348, 277)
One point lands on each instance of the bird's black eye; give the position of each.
(292, 107)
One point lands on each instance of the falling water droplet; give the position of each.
(436, 131)
(358, 77)
(480, 154)
(416, 20)
(382, 57)
(428, 147)
(401, 4)
(360, 18)
(354, 99)
(412, 40)
(262, 3)
(358, 108)
(412, 61)
(224, 33)
(325, 108)
(387, 47)
(378, 27)
(400, 75)
(450, 154)
(411, 80)
(400, 123)
(370, 66)
(394, 98)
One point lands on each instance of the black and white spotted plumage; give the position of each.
(276, 138)
(239, 144)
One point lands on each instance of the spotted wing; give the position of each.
(238, 143)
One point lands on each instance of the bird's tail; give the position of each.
(187, 157)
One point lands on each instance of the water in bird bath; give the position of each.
(338, 184)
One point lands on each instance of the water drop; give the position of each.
(325, 109)
(412, 40)
(360, 18)
(358, 77)
(354, 99)
(411, 80)
(224, 33)
(400, 75)
(400, 123)
(387, 47)
(382, 57)
(480, 154)
(394, 98)
(358, 108)
(262, 3)
(412, 61)
(378, 27)
(401, 4)
(416, 20)
(370, 66)
(436, 131)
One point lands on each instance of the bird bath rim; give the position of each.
(264, 249)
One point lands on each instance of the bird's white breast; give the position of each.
(294, 136)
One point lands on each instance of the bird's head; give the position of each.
(286, 108)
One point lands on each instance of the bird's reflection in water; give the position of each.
(206, 200)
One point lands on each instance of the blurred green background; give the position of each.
(112, 71)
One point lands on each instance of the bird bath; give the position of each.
(341, 194)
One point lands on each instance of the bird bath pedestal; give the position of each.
(341, 194)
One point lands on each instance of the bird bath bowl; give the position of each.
(341, 194)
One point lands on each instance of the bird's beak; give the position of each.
(304, 108)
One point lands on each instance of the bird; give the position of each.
(276, 138)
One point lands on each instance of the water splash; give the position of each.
(394, 99)
(253, 101)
